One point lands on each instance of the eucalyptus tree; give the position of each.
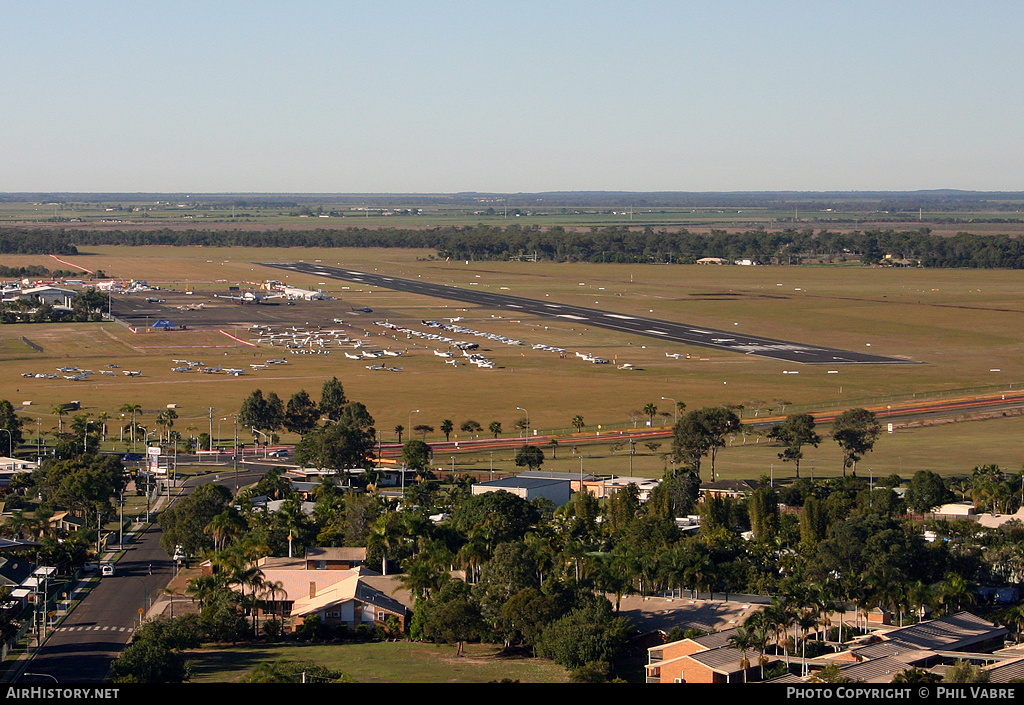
(12, 423)
(855, 431)
(702, 432)
(332, 399)
(301, 413)
(794, 433)
(471, 426)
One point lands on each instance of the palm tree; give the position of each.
(59, 411)
(577, 422)
(273, 589)
(954, 594)
(806, 620)
(133, 409)
(246, 575)
(447, 426)
(290, 516)
(780, 618)
(473, 554)
(204, 587)
(919, 597)
(744, 640)
(102, 418)
(651, 411)
(225, 527)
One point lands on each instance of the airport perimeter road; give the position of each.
(650, 327)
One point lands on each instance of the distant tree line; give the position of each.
(34, 241)
(608, 244)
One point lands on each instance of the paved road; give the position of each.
(85, 643)
(801, 353)
(88, 639)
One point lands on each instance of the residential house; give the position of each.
(606, 487)
(295, 588)
(729, 488)
(705, 659)
(356, 600)
(933, 646)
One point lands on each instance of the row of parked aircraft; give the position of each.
(194, 366)
(76, 374)
(475, 359)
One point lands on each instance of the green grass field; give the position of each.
(965, 327)
(406, 662)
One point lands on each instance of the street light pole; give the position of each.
(234, 456)
(675, 407)
(519, 408)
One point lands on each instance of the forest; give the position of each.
(918, 247)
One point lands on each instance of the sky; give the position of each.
(393, 96)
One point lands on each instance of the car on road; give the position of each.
(107, 569)
(132, 457)
(280, 453)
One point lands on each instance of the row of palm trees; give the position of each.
(81, 422)
(813, 610)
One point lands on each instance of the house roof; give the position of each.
(353, 587)
(552, 475)
(1007, 671)
(732, 485)
(952, 633)
(879, 670)
(295, 582)
(891, 649)
(339, 553)
(728, 660)
(14, 571)
(520, 481)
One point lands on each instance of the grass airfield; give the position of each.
(966, 327)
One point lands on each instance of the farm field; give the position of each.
(296, 211)
(966, 328)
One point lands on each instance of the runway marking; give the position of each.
(764, 347)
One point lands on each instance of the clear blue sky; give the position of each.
(437, 96)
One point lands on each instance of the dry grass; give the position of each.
(961, 324)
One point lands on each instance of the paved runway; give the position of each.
(801, 353)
